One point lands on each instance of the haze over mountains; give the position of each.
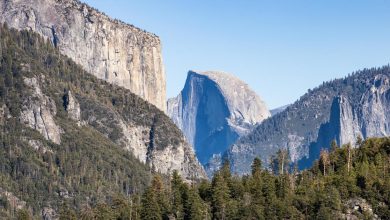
(213, 110)
(215, 115)
(84, 118)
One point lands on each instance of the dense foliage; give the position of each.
(323, 192)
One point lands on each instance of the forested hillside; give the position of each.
(345, 183)
(344, 109)
(68, 139)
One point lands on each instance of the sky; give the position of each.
(280, 48)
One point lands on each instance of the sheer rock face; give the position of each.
(341, 110)
(140, 140)
(111, 50)
(38, 112)
(345, 119)
(213, 110)
(376, 108)
(369, 118)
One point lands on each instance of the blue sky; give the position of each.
(280, 48)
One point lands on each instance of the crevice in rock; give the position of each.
(55, 37)
(65, 100)
(151, 141)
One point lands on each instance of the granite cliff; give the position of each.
(213, 110)
(109, 49)
(51, 88)
(341, 110)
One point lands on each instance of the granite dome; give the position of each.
(214, 109)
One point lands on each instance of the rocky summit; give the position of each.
(213, 110)
(109, 49)
(342, 110)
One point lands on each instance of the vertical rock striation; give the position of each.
(213, 110)
(111, 50)
(368, 118)
(341, 110)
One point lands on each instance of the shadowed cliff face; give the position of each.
(340, 110)
(109, 49)
(366, 118)
(212, 132)
(213, 110)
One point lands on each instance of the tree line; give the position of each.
(276, 192)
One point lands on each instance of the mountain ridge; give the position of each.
(300, 128)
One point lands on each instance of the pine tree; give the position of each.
(269, 193)
(256, 167)
(177, 187)
(220, 197)
(205, 191)
(195, 209)
(150, 208)
(121, 208)
(162, 197)
(252, 206)
(333, 146)
(225, 170)
(256, 183)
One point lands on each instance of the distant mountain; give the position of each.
(278, 110)
(342, 109)
(213, 110)
(67, 136)
(109, 49)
